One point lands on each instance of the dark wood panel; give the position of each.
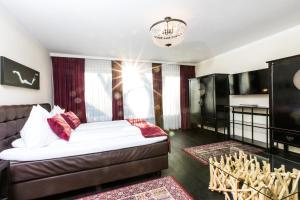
(157, 93)
(286, 137)
(117, 91)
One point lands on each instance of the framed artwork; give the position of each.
(16, 74)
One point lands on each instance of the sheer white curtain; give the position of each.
(171, 96)
(138, 100)
(98, 90)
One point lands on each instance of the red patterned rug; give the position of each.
(166, 188)
(204, 152)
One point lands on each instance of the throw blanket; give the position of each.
(149, 130)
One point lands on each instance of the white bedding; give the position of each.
(106, 124)
(87, 138)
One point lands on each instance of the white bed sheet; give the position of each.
(99, 137)
(106, 124)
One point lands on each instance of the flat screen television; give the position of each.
(253, 82)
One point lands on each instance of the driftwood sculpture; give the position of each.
(242, 177)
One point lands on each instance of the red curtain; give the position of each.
(186, 72)
(68, 79)
(117, 91)
(157, 93)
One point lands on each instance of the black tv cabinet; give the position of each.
(285, 101)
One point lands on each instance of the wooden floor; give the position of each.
(192, 175)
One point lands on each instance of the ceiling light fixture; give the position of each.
(168, 32)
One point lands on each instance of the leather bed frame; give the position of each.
(36, 179)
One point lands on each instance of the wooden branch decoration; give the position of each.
(242, 176)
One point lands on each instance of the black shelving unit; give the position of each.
(207, 97)
(214, 95)
(252, 111)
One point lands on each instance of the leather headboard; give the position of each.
(12, 120)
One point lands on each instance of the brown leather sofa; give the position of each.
(37, 179)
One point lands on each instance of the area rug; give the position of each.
(204, 152)
(166, 188)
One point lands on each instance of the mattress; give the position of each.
(32, 170)
(86, 139)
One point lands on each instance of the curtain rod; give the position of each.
(109, 58)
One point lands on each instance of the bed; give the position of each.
(44, 172)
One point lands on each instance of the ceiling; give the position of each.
(120, 28)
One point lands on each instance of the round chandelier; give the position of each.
(168, 32)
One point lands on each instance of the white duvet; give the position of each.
(87, 138)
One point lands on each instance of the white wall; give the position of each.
(18, 45)
(253, 56)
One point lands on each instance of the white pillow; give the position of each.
(57, 110)
(60, 109)
(18, 143)
(36, 131)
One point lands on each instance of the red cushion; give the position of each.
(60, 127)
(71, 119)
